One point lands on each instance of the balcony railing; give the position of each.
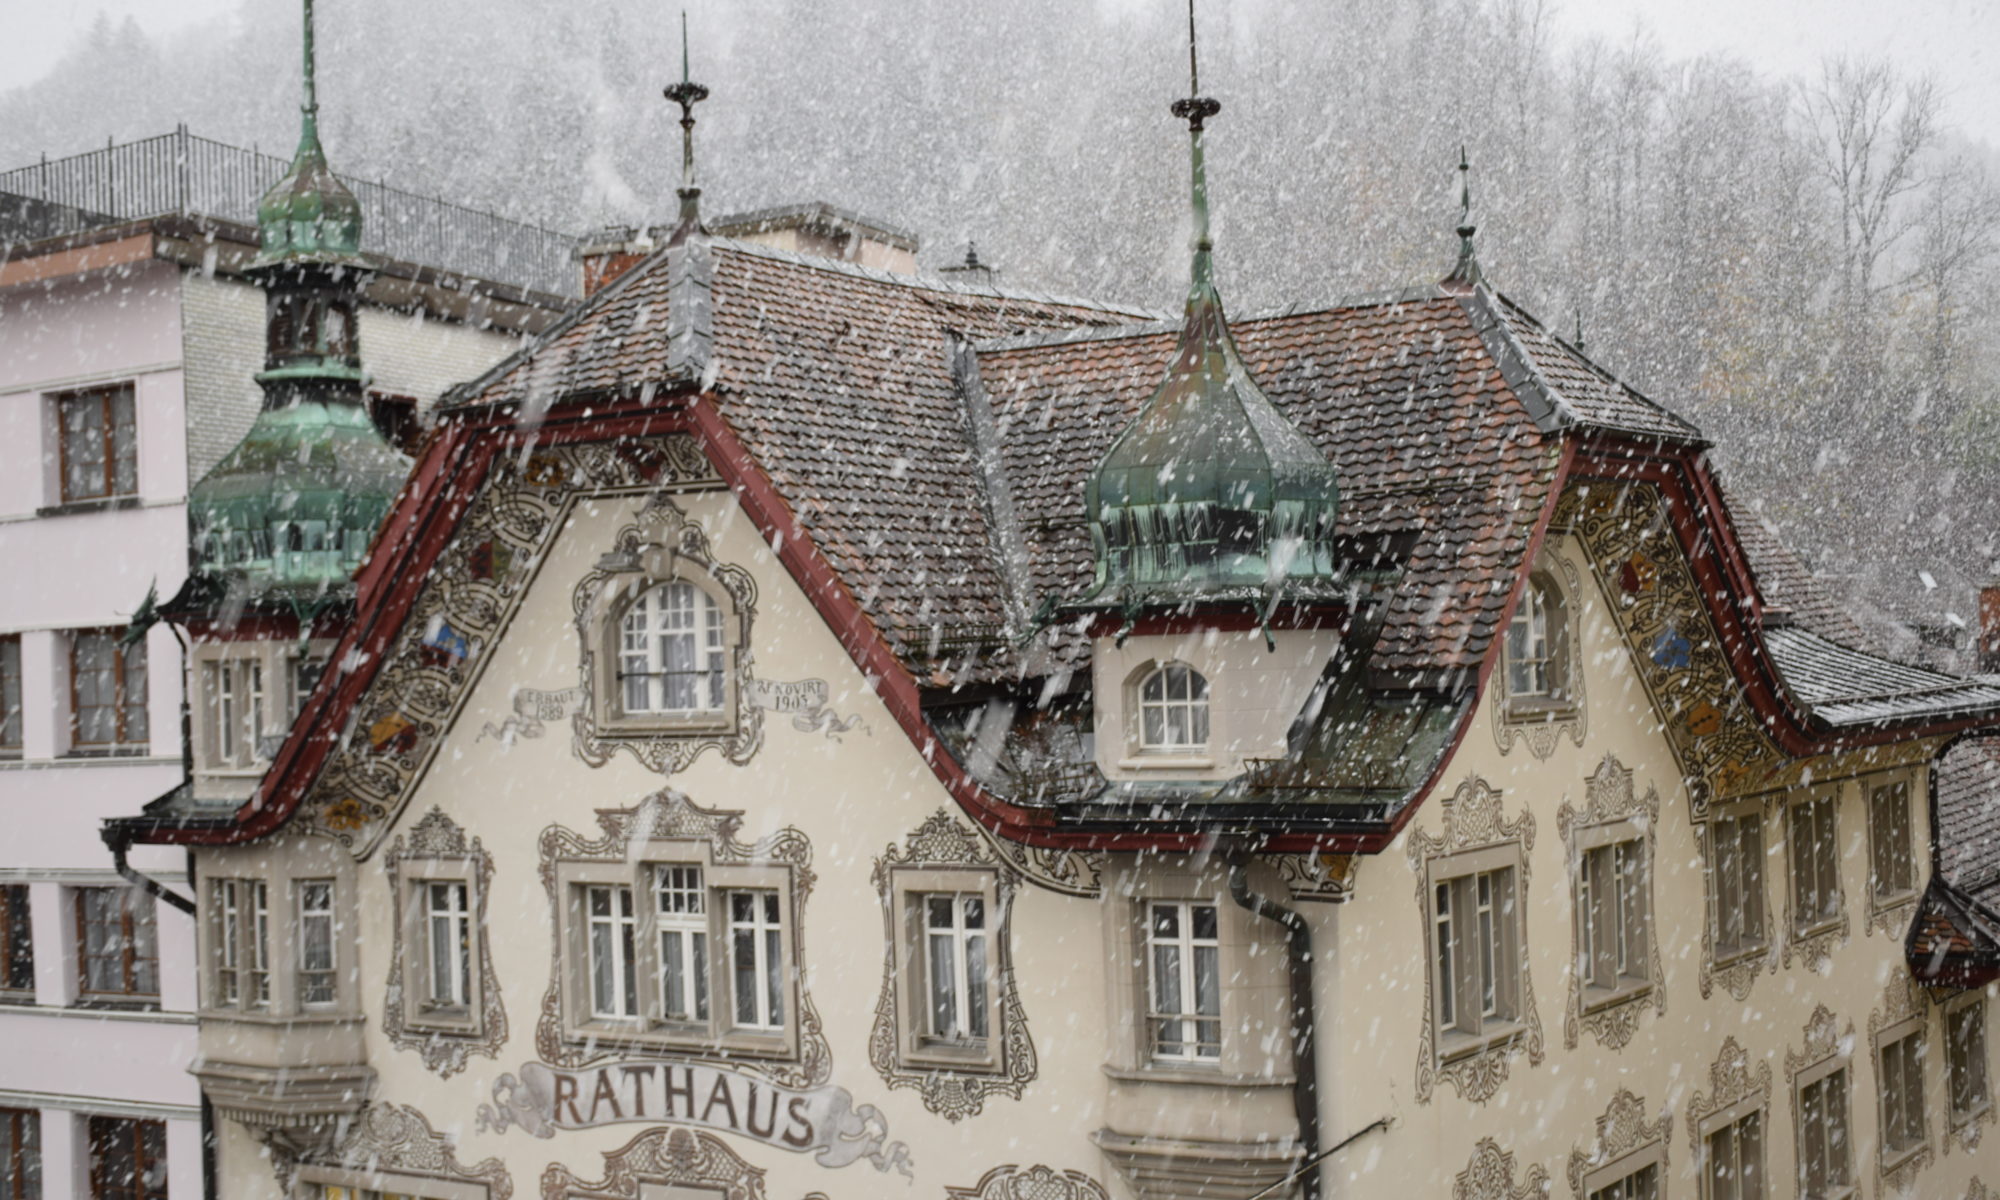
(180, 173)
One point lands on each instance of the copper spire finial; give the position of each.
(1196, 109)
(687, 94)
(1465, 275)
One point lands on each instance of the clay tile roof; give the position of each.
(1588, 393)
(1401, 395)
(1968, 813)
(1784, 581)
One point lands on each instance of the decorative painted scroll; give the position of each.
(805, 701)
(824, 1121)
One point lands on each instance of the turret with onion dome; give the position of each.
(289, 512)
(1210, 492)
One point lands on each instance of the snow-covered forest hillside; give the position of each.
(1808, 268)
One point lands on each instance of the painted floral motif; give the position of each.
(1624, 1128)
(662, 1158)
(1031, 1183)
(1609, 796)
(1730, 1082)
(437, 836)
(467, 599)
(1490, 1176)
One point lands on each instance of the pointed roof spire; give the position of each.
(1466, 274)
(1210, 490)
(308, 215)
(687, 94)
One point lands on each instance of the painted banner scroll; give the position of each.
(824, 1122)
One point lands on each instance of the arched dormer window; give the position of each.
(672, 656)
(1537, 647)
(1173, 709)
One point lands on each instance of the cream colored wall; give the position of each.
(1542, 1112)
(855, 796)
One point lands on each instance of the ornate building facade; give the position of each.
(809, 731)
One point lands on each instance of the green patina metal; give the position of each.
(1210, 491)
(288, 514)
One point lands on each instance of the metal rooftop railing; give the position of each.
(180, 173)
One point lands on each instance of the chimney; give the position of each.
(824, 231)
(1989, 627)
(610, 252)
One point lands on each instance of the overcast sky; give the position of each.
(1957, 40)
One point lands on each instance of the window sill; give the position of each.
(1808, 932)
(1893, 1159)
(1880, 905)
(1526, 711)
(1456, 1044)
(1188, 1073)
(1740, 956)
(447, 1022)
(1970, 1117)
(717, 724)
(118, 1003)
(1167, 762)
(1597, 999)
(258, 1016)
(89, 752)
(633, 1035)
(964, 1058)
(69, 508)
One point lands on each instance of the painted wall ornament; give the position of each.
(1490, 1176)
(1625, 1127)
(438, 837)
(1730, 1082)
(1541, 727)
(1610, 796)
(664, 1158)
(1474, 819)
(395, 1139)
(1902, 1001)
(1037, 1182)
(1722, 747)
(669, 815)
(473, 590)
(953, 1093)
(824, 1121)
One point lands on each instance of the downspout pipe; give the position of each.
(120, 843)
(1305, 1059)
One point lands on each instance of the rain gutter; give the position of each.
(1305, 1060)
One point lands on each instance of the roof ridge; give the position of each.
(1602, 372)
(916, 282)
(1169, 324)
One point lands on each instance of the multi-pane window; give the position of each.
(757, 960)
(242, 924)
(672, 655)
(1642, 1184)
(20, 1154)
(1612, 915)
(235, 710)
(1173, 709)
(955, 966)
(448, 944)
(1736, 845)
(683, 922)
(128, 1159)
(1733, 1160)
(108, 690)
(1900, 1063)
(315, 938)
(17, 944)
(1184, 953)
(1531, 673)
(100, 444)
(305, 672)
(1826, 1160)
(1965, 1059)
(10, 695)
(1815, 848)
(614, 985)
(118, 952)
(1474, 951)
(1892, 874)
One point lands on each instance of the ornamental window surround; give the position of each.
(1613, 912)
(1735, 842)
(1641, 1182)
(947, 966)
(1823, 1107)
(1732, 1148)
(1475, 956)
(1968, 1091)
(1901, 1053)
(332, 1183)
(1892, 869)
(676, 949)
(669, 641)
(1537, 649)
(1813, 839)
(442, 1000)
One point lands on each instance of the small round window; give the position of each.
(671, 655)
(1173, 709)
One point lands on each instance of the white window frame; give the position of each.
(681, 904)
(423, 1008)
(1895, 1089)
(305, 919)
(918, 1045)
(1478, 1007)
(1195, 1050)
(1622, 968)
(240, 937)
(618, 964)
(650, 1027)
(656, 610)
(1818, 898)
(1970, 1006)
(1735, 880)
(1194, 707)
(763, 1007)
(1833, 1076)
(719, 641)
(1532, 641)
(954, 925)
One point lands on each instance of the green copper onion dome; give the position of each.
(291, 511)
(1210, 489)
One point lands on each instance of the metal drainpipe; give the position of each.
(1305, 1062)
(120, 843)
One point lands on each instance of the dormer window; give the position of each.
(672, 654)
(1173, 710)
